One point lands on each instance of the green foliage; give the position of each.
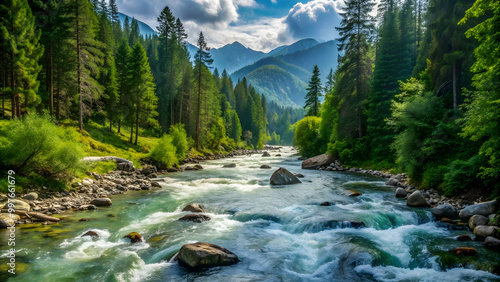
(312, 97)
(36, 144)
(307, 136)
(165, 151)
(179, 140)
(462, 174)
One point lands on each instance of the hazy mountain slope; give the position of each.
(144, 29)
(302, 74)
(234, 56)
(297, 46)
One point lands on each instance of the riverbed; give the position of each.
(279, 233)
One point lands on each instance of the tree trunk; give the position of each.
(51, 82)
(58, 108)
(132, 131)
(119, 126)
(182, 93)
(172, 87)
(136, 125)
(455, 98)
(111, 124)
(198, 118)
(13, 105)
(80, 101)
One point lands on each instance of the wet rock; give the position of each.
(392, 182)
(201, 255)
(464, 251)
(317, 161)
(283, 177)
(145, 187)
(278, 155)
(172, 169)
(84, 219)
(494, 220)
(266, 154)
(31, 196)
(134, 237)
(444, 210)
(302, 158)
(7, 220)
(401, 193)
(416, 199)
(101, 202)
(155, 184)
(18, 205)
(125, 166)
(464, 237)
(194, 208)
(149, 170)
(195, 218)
(483, 231)
(477, 220)
(91, 234)
(299, 175)
(325, 204)
(198, 167)
(492, 243)
(233, 165)
(353, 193)
(265, 167)
(485, 208)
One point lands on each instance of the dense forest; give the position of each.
(417, 90)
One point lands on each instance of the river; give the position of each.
(279, 233)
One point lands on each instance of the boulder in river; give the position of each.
(31, 196)
(266, 154)
(317, 161)
(444, 211)
(7, 220)
(232, 165)
(134, 237)
(401, 193)
(195, 218)
(464, 251)
(477, 220)
(91, 234)
(18, 205)
(492, 243)
(485, 208)
(416, 199)
(392, 182)
(463, 237)
(353, 193)
(265, 166)
(198, 167)
(299, 175)
(101, 202)
(483, 231)
(283, 177)
(201, 255)
(325, 204)
(195, 207)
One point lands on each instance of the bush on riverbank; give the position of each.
(165, 151)
(307, 136)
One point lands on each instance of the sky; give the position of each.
(258, 24)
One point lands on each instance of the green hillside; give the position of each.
(278, 85)
(302, 74)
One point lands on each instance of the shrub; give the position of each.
(35, 143)
(179, 140)
(462, 174)
(165, 152)
(307, 136)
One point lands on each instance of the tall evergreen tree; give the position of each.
(121, 61)
(203, 59)
(313, 94)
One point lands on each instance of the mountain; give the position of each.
(234, 56)
(278, 85)
(144, 29)
(297, 46)
(302, 74)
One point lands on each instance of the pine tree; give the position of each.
(134, 33)
(330, 82)
(121, 61)
(313, 94)
(203, 59)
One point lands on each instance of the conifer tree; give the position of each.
(121, 61)
(313, 94)
(203, 59)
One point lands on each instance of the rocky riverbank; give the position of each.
(39, 204)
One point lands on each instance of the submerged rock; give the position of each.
(134, 237)
(266, 154)
(283, 177)
(477, 220)
(233, 165)
(464, 237)
(265, 167)
(91, 234)
(325, 204)
(416, 199)
(195, 218)
(299, 175)
(444, 211)
(198, 167)
(317, 161)
(200, 255)
(464, 251)
(485, 208)
(353, 193)
(195, 207)
(101, 202)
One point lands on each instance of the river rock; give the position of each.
(200, 255)
(494, 220)
(101, 202)
(401, 193)
(325, 204)
(194, 208)
(283, 177)
(266, 154)
(172, 169)
(148, 170)
(299, 175)
(483, 231)
(416, 199)
(464, 251)
(155, 184)
(125, 166)
(7, 220)
(134, 237)
(317, 161)
(353, 193)
(198, 167)
(91, 234)
(492, 243)
(463, 237)
(444, 211)
(392, 182)
(18, 205)
(195, 218)
(233, 165)
(485, 208)
(265, 167)
(477, 220)
(31, 196)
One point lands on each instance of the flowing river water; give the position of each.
(279, 233)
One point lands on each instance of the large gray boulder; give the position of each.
(392, 182)
(283, 177)
(401, 193)
(101, 202)
(317, 161)
(492, 243)
(195, 207)
(477, 220)
(31, 196)
(201, 255)
(485, 208)
(483, 231)
(195, 218)
(17, 205)
(6, 220)
(444, 210)
(416, 199)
